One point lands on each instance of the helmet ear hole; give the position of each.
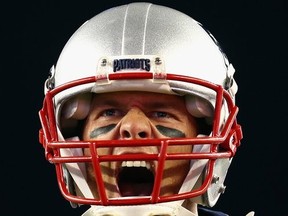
(73, 112)
(77, 107)
(199, 107)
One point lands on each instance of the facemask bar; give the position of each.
(228, 137)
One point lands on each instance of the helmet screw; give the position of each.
(50, 82)
(215, 179)
(103, 62)
(222, 189)
(158, 61)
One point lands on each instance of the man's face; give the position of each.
(138, 115)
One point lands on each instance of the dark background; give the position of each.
(252, 33)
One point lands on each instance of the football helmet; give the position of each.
(141, 47)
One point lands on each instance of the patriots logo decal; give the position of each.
(134, 64)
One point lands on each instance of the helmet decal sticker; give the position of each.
(138, 63)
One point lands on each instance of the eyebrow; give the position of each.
(153, 104)
(157, 105)
(108, 102)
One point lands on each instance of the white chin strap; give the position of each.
(175, 208)
(76, 170)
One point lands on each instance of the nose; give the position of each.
(135, 125)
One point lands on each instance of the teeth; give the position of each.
(136, 164)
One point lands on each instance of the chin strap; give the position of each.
(76, 170)
(196, 168)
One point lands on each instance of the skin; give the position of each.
(117, 115)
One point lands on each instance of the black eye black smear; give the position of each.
(170, 132)
(101, 130)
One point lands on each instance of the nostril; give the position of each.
(126, 134)
(142, 134)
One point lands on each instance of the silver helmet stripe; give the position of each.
(135, 30)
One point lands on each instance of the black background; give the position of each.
(252, 33)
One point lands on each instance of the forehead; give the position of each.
(138, 98)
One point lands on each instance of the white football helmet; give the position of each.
(141, 47)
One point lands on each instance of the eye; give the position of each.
(111, 113)
(160, 114)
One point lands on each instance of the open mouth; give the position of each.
(135, 178)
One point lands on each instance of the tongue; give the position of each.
(135, 189)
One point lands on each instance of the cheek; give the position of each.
(178, 166)
(86, 131)
(180, 149)
(191, 129)
(175, 171)
(100, 151)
